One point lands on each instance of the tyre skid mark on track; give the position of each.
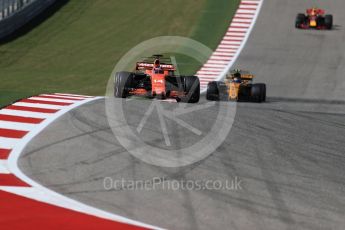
(19, 123)
(17, 191)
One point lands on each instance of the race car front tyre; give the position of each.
(320, 21)
(258, 92)
(121, 82)
(192, 89)
(329, 21)
(300, 20)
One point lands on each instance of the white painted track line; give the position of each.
(37, 105)
(8, 143)
(17, 126)
(61, 96)
(73, 95)
(51, 99)
(3, 167)
(24, 113)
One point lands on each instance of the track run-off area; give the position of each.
(287, 153)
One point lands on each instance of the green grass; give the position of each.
(76, 49)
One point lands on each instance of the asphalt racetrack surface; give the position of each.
(5, 4)
(287, 155)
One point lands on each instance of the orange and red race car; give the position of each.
(154, 77)
(314, 18)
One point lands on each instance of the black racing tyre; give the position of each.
(212, 92)
(216, 91)
(258, 92)
(192, 89)
(320, 21)
(262, 91)
(329, 21)
(300, 20)
(121, 83)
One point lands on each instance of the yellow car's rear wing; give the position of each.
(247, 76)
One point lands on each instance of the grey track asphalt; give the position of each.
(6, 3)
(288, 153)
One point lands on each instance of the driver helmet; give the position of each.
(156, 63)
(237, 73)
(313, 11)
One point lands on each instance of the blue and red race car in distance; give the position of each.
(314, 18)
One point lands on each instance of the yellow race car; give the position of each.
(237, 86)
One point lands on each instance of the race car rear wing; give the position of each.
(149, 66)
(247, 77)
(318, 11)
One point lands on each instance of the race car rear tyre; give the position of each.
(216, 91)
(192, 89)
(300, 20)
(121, 83)
(212, 92)
(263, 91)
(329, 21)
(258, 92)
